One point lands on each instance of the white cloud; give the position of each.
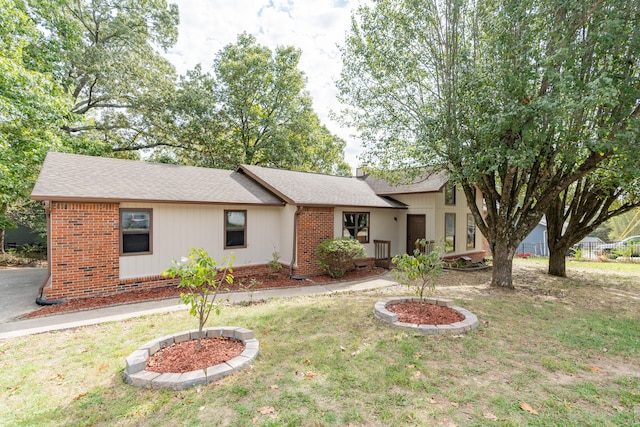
(315, 27)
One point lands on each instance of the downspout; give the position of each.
(39, 300)
(295, 241)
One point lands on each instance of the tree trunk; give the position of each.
(557, 261)
(3, 210)
(503, 266)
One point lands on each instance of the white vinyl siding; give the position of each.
(432, 205)
(179, 227)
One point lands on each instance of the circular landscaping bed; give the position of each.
(172, 362)
(433, 317)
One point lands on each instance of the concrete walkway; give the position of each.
(126, 311)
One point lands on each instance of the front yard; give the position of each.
(554, 352)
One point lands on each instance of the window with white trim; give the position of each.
(471, 232)
(449, 232)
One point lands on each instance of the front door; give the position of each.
(416, 230)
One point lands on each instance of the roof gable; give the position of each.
(428, 183)
(72, 177)
(305, 188)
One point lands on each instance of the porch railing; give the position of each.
(383, 253)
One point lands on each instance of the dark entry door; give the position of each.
(416, 230)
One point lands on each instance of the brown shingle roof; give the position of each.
(304, 188)
(428, 183)
(72, 177)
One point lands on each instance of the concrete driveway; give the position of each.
(18, 291)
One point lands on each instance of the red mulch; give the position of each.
(264, 282)
(183, 357)
(424, 314)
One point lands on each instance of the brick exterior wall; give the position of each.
(84, 250)
(315, 224)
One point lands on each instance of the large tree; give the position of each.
(519, 98)
(253, 109)
(586, 204)
(32, 109)
(104, 54)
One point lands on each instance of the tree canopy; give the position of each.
(32, 109)
(518, 98)
(89, 77)
(105, 55)
(253, 109)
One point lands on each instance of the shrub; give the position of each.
(274, 265)
(201, 278)
(336, 256)
(420, 270)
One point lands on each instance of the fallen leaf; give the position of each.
(410, 416)
(433, 401)
(309, 375)
(452, 425)
(490, 416)
(342, 348)
(55, 377)
(410, 366)
(264, 410)
(103, 366)
(201, 408)
(83, 350)
(417, 356)
(273, 387)
(455, 404)
(80, 396)
(594, 369)
(307, 361)
(526, 407)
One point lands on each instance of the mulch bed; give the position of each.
(184, 357)
(263, 282)
(424, 314)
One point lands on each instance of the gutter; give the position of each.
(295, 239)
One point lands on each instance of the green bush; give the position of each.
(336, 256)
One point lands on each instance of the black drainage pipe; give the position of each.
(41, 301)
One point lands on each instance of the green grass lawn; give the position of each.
(555, 352)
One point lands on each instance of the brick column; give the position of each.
(314, 225)
(84, 250)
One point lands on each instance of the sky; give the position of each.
(316, 27)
